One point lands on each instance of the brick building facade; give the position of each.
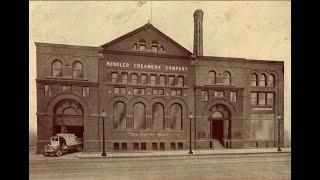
(151, 88)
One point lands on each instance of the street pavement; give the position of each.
(210, 166)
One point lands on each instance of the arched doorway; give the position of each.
(220, 118)
(68, 118)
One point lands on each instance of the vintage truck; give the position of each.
(63, 143)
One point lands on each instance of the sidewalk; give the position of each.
(97, 155)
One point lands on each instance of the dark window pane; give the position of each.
(139, 116)
(124, 146)
(157, 116)
(173, 146)
(135, 146)
(176, 117)
(143, 146)
(162, 147)
(154, 146)
(116, 146)
(120, 113)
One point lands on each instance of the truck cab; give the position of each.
(63, 143)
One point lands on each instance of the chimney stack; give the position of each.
(198, 37)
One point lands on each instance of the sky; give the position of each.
(252, 29)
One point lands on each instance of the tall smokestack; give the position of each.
(198, 37)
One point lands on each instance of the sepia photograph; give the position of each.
(159, 90)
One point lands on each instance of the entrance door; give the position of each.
(217, 132)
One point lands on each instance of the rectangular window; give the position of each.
(142, 47)
(160, 92)
(154, 48)
(47, 90)
(171, 80)
(155, 91)
(124, 78)
(143, 79)
(124, 146)
(162, 80)
(154, 146)
(253, 98)
(135, 146)
(143, 146)
(85, 92)
(116, 90)
(180, 145)
(204, 95)
(173, 92)
(233, 96)
(153, 80)
(162, 147)
(114, 77)
(123, 90)
(115, 146)
(179, 93)
(262, 126)
(262, 99)
(218, 93)
(66, 88)
(181, 81)
(270, 99)
(173, 146)
(134, 79)
(138, 91)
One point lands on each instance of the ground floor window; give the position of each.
(262, 126)
(124, 146)
(135, 146)
(143, 146)
(154, 146)
(115, 146)
(162, 147)
(173, 146)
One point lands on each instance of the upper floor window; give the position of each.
(171, 80)
(218, 93)
(211, 77)
(85, 92)
(176, 116)
(262, 99)
(162, 80)
(153, 80)
(262, 80)
(226, 78)
(114, 77)
(254, 98)
(233, 96)
(77, 71)
(143, 79)
(47, 90)
(180, 81)
(254, 79)
(154, 46)
(270, 99)
(135, 46)
(138, 90)
(124, 78)
(134, 78)
(66, 88)
(271, 80)
(57, 68)
(161, 48)
(204, 95)
(142, 45)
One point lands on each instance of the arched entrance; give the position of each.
(68, 117)
(220, 118)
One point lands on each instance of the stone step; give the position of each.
(216, 144)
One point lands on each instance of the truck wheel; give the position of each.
(59, 153)
(45, 154)
(79, 148)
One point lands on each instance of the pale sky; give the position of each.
(253, 30)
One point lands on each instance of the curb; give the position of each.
(177, 155)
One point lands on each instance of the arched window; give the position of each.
(176, 117)
(142, 45)
(271, 80)
(57, 68)
(262, 80)
(120, 114)
(211, 77)
(162, 48)
(157, 116)
(226, 78)
(139, 116)
(254, 79)
(217, 114)
(77, 70)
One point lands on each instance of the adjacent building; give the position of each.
(152, 89)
